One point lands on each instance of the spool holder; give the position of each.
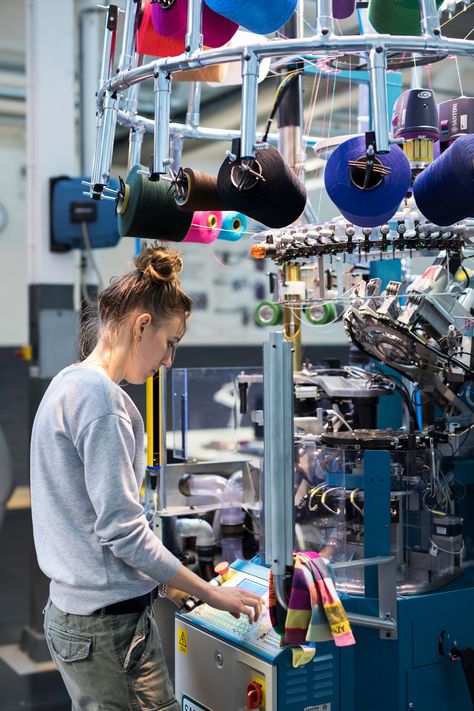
(431, 43)
(161, 140)
(324, 18)
(369, 165)
(378, 95)
(194, 38)
(316, 240)
(248, 122)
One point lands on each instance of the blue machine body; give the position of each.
(414, 671)
(70, 207)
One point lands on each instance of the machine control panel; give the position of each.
(258, 637)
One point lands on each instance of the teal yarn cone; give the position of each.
(148, 209)
(396, 17)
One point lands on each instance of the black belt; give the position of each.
(134, 604)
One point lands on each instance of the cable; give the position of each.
(92, 303)
(352, 500)
(279, 94)
(444, 550)
(323, 501)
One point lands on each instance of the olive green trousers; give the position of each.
(110, 662)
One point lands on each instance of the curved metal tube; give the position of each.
(276, 48)
(186, 527)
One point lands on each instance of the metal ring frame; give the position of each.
(379, 49)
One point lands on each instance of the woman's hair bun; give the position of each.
(159, 263)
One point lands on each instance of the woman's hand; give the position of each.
(237, 601)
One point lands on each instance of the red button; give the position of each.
(254, 695)
(221, 568)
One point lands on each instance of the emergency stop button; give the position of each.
(254, 695)
(222, 569)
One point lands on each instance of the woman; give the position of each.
(91, 535)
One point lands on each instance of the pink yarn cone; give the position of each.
(205, 227)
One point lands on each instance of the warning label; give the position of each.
(188, 704)
(182, 641)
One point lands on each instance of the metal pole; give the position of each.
(162, 446)
(250, 65)
(292, 313)
(107, 58)
(324, 19)
(161, 141)
(194, 36)
(429, 18)
(278, 457)
(104, 148)
(194, 104)
(127, 55)
(378, 94)
(135, 143)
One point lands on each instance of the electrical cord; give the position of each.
(338, 511)
(280, 93)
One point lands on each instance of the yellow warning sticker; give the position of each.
(182, 641)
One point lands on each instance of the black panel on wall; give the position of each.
(14, 411)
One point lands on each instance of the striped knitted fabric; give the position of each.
(298, 616)
(315, 612)
(326, 597)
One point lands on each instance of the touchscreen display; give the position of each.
(247, 584)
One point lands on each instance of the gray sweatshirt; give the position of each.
(87, 465)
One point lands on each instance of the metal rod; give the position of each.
(374, 622)
(162, 119)
(163, 453)
(176, 149)
(194, 105)
(104, 147)
(378, 94)
(193, 40)
(292, 313)
(106, 63)
(429, 18)
(278, 453)
(135, 143)
(324, 18)
(248, 116)
(128, 40)
(200, 132)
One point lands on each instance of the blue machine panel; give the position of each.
(70, 208)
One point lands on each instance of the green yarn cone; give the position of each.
(396, 17)
(150, 210)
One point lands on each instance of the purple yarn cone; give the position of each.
(343, 8)
(172, 22)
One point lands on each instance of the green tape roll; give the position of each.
(320, 314)
(268, 313)
(396, 17)
(149, 210)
